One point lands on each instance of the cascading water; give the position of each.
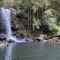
(6, 17)
(7, 20)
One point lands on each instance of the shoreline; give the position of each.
(53, 41)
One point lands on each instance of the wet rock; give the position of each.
(14, 28)
(29, 40)
(14, 33)
(37, 40)
(10, 41)
(55, 39)
(20, 36)
(2, 37)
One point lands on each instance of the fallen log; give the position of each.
(50, 37)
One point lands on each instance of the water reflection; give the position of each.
(31, 51)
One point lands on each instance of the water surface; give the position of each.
(33, 51)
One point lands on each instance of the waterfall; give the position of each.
(7, 22)
(6, 17)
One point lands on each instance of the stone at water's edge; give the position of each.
(4, 43)
(11, 41)
(2, 37)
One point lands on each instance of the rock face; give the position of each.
(10, 41)
(14, 28)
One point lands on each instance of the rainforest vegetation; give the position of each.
(34, 17)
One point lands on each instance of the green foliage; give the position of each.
(1, 3)
(50, 20)
(23, 31)
(36, 23)
(49, 17)
(17, 4)
(36, 13)
(8, 3)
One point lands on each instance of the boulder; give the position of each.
(15, 28)
(10, 41)
(2, 37)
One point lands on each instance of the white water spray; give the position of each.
(7, 20)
